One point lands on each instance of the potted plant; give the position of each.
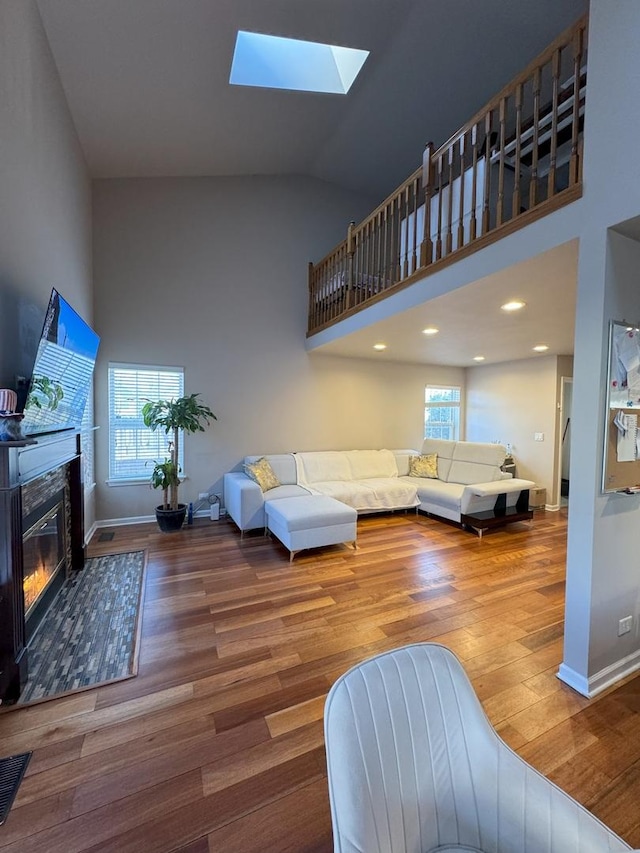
(185, 414)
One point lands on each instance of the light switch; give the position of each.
(538, 436)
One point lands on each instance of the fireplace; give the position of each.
(43, 559)
(41, 541)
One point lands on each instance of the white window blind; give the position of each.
(133, 447)
(442, 412)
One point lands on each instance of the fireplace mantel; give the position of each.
(21, 462)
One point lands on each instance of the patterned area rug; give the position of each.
(89, 634)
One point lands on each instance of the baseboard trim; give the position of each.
(138, 519)
(120, 522)
(607, 677)
(89, 533)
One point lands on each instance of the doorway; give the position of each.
(566, 398)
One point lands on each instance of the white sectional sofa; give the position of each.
(470, 483)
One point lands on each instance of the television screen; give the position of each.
(63, 371)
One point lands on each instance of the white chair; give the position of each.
(415, 766)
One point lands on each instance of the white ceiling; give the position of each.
(147, 86)
(471, 322)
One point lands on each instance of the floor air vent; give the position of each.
(106, 537)
(11, 773)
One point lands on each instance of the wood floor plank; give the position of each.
(217, 744)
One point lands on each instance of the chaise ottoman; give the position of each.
(311, 521)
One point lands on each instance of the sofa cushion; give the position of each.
(283, 464)
(424, 466)
(447, 495)
(366, 464)
(310, 512)
(476, 462)
(402, 458)
(321, 466)
(262, 473)
(477, 451)
(370, 495)
(444, 449)
(285, 491)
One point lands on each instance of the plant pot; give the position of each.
(170, 520)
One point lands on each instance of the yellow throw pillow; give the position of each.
(424, 466)
(263, 474)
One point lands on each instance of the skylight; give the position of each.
(274, 62)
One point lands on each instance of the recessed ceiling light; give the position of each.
(274, 62)
(478, 358)
(513, 305)
(541, 348)
(430, 330)
(379, 347)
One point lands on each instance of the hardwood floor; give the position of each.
(217, 744)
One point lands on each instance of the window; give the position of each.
(441, 412)
(133, 447)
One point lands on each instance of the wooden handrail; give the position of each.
(522, 151)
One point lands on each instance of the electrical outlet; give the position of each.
(203, 496)
(624, 625)
(538, 436)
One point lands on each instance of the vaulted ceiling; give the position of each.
(147, 82)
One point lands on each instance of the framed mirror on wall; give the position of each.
(621, 458)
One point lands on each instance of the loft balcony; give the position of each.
(518, 159)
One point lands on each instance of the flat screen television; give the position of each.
(63, 371)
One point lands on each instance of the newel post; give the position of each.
(426, 246)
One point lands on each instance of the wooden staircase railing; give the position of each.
(517, 159)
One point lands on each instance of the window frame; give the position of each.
(429, 405)
(156, 442)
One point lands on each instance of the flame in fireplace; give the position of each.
(34, 583)
(43, 554)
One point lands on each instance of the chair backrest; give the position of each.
(414, 765)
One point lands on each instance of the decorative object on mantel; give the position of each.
(185, 414)
(11, 426)
(8, 401)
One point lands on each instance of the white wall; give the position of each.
(45, 195)
(510, 403)
(603, 581)
(210, 274)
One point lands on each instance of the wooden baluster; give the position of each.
(414, 254)
(405, 226)
(555, 76)
(533, 186)
(486, 210)
(378, 263)
(449, 240)
(426, 247)
(385, 247)
(473, 224)
(399, 226)
(575, 119)
(350, 254)
(502, 138)
(515, 203)
(393, 241)
(368, 257)
(461, 158)
(439, 180)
